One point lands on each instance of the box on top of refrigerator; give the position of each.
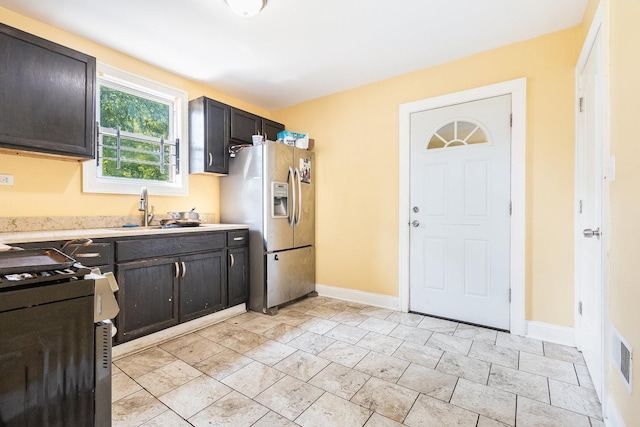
(299, 140)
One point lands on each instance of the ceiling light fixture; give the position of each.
(246, 8)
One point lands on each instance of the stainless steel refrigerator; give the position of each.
(271, 188)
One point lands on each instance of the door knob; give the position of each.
(589, 233)
(415, 223)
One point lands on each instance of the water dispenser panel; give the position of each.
(279, 199)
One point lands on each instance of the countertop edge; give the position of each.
(96, 233)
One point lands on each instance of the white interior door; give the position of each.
(589, 248)
(460, 219)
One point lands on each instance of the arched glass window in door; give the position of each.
(457, 133)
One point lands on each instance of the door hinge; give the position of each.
(580, 207)
(581, 104)
(580, 308)
(511, 120)
(509, 294)
(510, 208)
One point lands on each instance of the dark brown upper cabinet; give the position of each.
(47, 97)
(270, 129)
(215, 127)
(244, 125)
(209, 125)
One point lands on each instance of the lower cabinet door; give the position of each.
(238, 275)
(147, 297)
(201, 284)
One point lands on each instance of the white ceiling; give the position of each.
(297, 50)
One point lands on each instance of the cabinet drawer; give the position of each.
(238, 238)
(92, 255)
(153, 247)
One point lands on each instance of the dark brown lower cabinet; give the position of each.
(148, 297)
(185, 277)
(238, 276)
(202, 290)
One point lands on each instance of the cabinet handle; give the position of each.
(233, 260)
(184, 269)
(88, 255)
(210, 159)
(238, 238)
(175, 264)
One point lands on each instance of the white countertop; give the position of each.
(42, 236)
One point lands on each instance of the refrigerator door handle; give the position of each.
(290, 181)
(298, 180)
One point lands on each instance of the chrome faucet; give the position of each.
(144, 207)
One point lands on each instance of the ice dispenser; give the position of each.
(279, 199)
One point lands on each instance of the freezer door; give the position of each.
(278, 159)
(290, 275)
(305, 225)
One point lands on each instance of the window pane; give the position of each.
(478, 137)
(435, 142)
(143, 117)
(447, 132)
(133, 170)
(133, 113)
(138, 160)
(464, 129)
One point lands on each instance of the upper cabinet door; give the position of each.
(208, 136)
(270, 129)
(244, 125)
(47, 96)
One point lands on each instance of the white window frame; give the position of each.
(93, 183)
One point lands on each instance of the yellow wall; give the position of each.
(356, 135)
(625, 194)
(44, 187)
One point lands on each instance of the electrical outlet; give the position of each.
(6, 179)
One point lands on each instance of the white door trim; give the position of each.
(518, 89)
(599, 23)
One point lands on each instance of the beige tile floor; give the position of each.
(324, 362)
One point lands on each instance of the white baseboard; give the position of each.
(612, 417)
(551, 333)
(156, 338)
(362, 297)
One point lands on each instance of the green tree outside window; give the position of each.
(147, 120)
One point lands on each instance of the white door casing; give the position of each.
(517, 90)
(590, 228)
(460, 194)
